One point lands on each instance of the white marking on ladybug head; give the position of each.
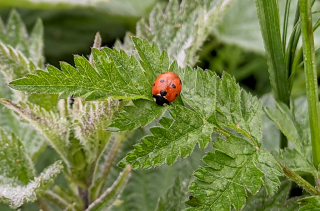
(154, 99)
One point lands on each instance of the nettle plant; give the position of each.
(107, 97)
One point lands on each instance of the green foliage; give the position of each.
(268, 13)
(279, 201)
(295, 126)
(15, 163)
(139, 114)
(187, 27)
(238, 167)
(172, 199)
(106, 199)
(235, 166)
(310, 203)
(170, 140)
(53, 127)
(16, 194)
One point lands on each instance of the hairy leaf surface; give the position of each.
(15, 162)
(171, 140)
(279, 201)
(236, 165)
(53, 127)
(18, 194)
(310, 203)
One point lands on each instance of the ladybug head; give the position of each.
(160, 100)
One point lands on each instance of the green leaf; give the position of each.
(110, 195)
(53, 127)
(91, 121)
(114, 74)
(36, 44)
(15, 162)
(292, 159)
(172, 199)
(238, 109)
(199, 91)
(295, 126)
(310, 203)
(268, 14)
(18, 194)
(31, 138)
(16, 33)
(145, 187)
(279, 201)
(235, 166)
(139, 114)
(166, 143)
(182, 29)
(13, 62)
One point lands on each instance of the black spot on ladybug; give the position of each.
(154, 84)
(161, 81)
(180, 82)
(173, 86)
(163, 93)
(176, 95)
(190, 197)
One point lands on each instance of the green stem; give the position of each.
(55, 199)
(299, 180)
(311, 77)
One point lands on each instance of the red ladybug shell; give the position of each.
(166, 88)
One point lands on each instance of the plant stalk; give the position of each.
(311, 77)
(299, 180)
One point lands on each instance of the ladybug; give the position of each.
(166, 88)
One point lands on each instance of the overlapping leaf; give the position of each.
(279, 201)
(114, 74)
(310, 203)
(235, 166)
(139, 114)
(15, 162)
(167, 142)
(172, 199)
(181, 29)
(91, 122)
(48, 123)
(295, 126)
(292, 159)
(15, 36)
(17, 194)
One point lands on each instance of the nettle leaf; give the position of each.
(310, 203)
(172, 199)
(295, 126)
(261, 201)
(18, 194)
(239, 110)
(90, 123)
(292, 159)
(32, 140)
(16, 36)
(139, 114)
(167, 142)
(236, 165)
(181, 29)
(15, 162)
(49, 124)
(14, 63)
(114, 74)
